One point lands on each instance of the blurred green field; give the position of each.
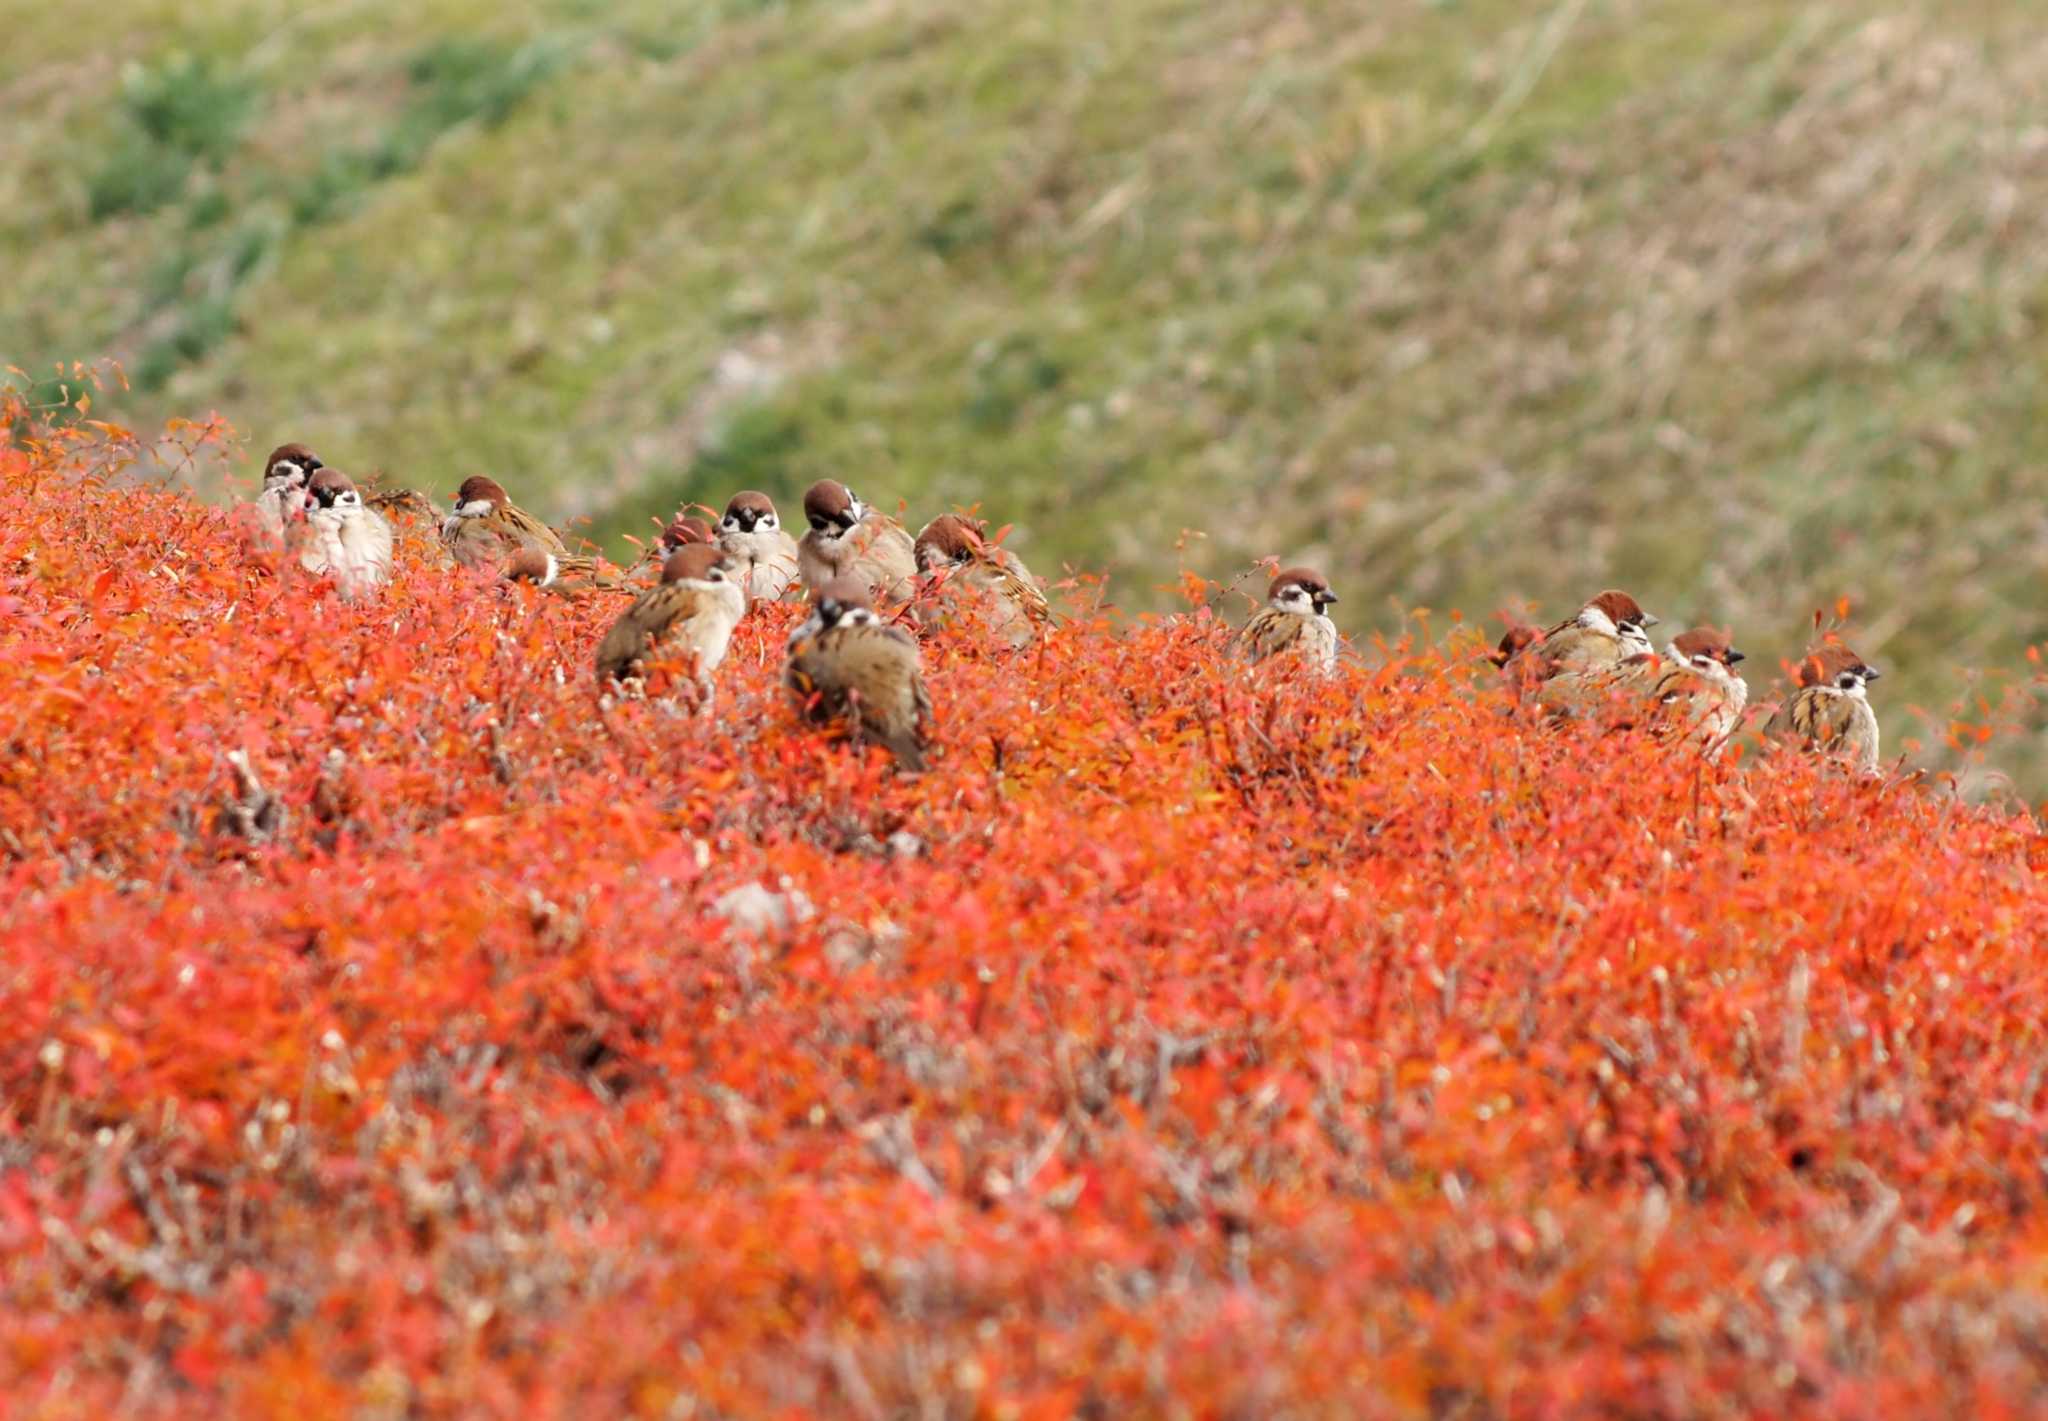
(1737, 303)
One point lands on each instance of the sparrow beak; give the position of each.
(1871, 673)
(1650, 621)
(1735, 656)
(1325, 598)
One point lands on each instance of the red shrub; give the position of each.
(1184, 1043)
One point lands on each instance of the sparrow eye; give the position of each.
(960, 555)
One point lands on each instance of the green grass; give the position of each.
(1739, 304)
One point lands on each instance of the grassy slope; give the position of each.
(1735, 303)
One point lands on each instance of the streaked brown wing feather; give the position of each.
(526, 527)
(869, 673)
(640, 629)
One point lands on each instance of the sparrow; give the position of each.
(283, 499)
(847, 536)
(848, 666)
(691, 614)
(1830, 709)
(1607, 630)
(341, 538)
(751, 534)
(571, 576)
(1690, 687)
(487, 527)
(1697, 689)
(1295, 622)
(967, 578)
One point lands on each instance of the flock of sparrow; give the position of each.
(847, 664)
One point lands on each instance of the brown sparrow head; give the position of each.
(694, 562)
(846, 602)
(1614, 610)
(946, 541)
(290, 465)
(683, 531)
(1300, 589)
(750, 511)
(832, 509)
(479, 496)
(1705, 649)
(845, 593)
(1834, 665)
(331, 488)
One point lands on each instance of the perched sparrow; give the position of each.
(1697, 689)
(969, 579)
(1607, 630)
(854, 668)
(486, 527)
(846, 536)
(283, 499)
(692, 613)
(1295, 622)
(1830, 710)
(342, 539)
(570, 576)
(751, 534)
(1690, 688)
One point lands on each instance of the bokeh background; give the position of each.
(1736, 303)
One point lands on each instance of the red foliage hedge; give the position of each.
(1184, 1044)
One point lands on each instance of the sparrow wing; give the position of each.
(1268, 632)
(477, 542)
(869, 672)
(1613, 689)
(527, 530)
(1572, 647)
(1019, 589)
(888, 559)
(640, 629)
(589, 572)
